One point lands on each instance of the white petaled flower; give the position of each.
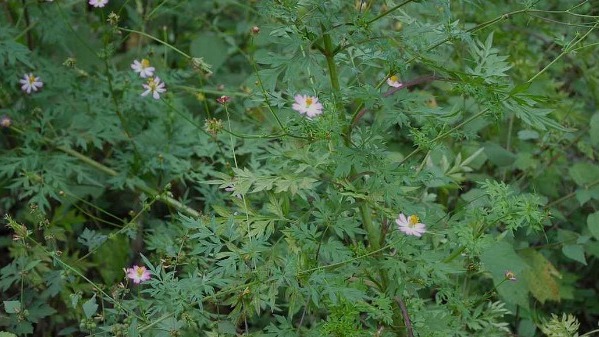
(154, 86)
(98, 3)
(393, 81)
(410, 225)
(143, 68)
(30, 82)
(307, 105)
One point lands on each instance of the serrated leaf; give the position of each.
(90, 307)
(498, 155)
(584, 173)
(594, 129)
(211, 48)
(75, 299)
(91, 239)
(593, 224)
(12, 307)
(7, 334)
(575, 252)
(528, 134)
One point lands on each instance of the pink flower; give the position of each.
(410, 225)
(98, 3)
(393, 81)
(307, 105)
(30, 82)
(138, 274)
(223, 99)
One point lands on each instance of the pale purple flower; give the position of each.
(143, 68)
(30, 82)
(154, 86)
(393, 81)
(98, 3)
(410, 225)
(5, 121)
(138, 274)
(307, 105)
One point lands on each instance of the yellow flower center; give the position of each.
(31, 79)
(145, 63)
(152, 84)
(140, 271)
(413, 220)
(309, 101)
(394, 78)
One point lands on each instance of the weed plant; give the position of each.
(299, 168)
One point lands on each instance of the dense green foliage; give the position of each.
(254, 219)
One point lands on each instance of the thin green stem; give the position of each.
(98, 166)
(566, 50)
(263, 90)
(389, 11)
(373, 232)
(445, 134)
(330, 58)
(570, 195)
(157, 40)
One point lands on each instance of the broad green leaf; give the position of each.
(499, 258)
(210, 47)
(584, 173)
(593, 224)
(75, 299)
(541, 277)
(498, 155)
(90, 307)
(7, 334)
(528, 134)
(574, 252)
(12, 307)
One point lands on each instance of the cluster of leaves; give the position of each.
(253, 219)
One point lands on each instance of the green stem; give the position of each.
(374, 236)
(138, 186)
(566, 51)
(389, 11)
(445, 134)
(329, 54)
(157, 40)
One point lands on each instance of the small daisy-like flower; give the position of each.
(143, 68)
(509, 275)
(307, 105)
(394, 82)
(30, 82)
(410, 225)
(98, 3)
(138, 274)
(154, 86)
(5, 121)
(223, 99)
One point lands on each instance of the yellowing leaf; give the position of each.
(541, 276)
